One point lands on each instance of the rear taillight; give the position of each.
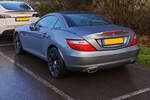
(4, 16)
(134, 41)
(81, 45)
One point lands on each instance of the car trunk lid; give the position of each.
(104, 37)
(20, 13)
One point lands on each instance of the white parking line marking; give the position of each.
(37, 77)
(129, 95)
(9, 44)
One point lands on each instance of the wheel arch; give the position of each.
(54, 46)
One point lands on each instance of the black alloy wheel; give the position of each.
(56, 63)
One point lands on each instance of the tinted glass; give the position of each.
(47, 22)
(85, 20)
(58, 24)
(19, 6)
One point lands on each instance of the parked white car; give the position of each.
(14, 14)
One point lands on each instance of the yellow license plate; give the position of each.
(113, 41)
(22, 19)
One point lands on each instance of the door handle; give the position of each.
(45, 35)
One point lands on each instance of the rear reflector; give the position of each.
(134, 41)
(113, 32)
(81, 45)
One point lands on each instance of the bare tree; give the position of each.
(124, 12)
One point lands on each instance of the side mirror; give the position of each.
(32, 27)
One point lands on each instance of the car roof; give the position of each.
(70, 12)
(11, 2)
(60, 15)
(73, 12)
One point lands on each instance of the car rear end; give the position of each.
(101, 46)
(15, 14)
(102, 51)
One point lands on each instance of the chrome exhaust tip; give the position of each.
(92, 70)
(133, 61)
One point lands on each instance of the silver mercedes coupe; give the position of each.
(77, 40)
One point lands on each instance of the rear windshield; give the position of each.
(85, 20)
(18, 6)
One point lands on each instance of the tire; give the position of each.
(18, 45)
(1, 37)
(55, 63)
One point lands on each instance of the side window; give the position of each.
(47, 22)
(58, 24)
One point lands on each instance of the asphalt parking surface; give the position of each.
(17, 84)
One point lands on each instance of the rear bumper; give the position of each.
(11, 24)
(101, 59)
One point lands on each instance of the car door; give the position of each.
(40, 35)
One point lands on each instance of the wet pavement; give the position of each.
(15, 84)
(144, 96)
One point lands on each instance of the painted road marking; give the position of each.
(61, 93)
(9, 44)
(129, 95)
(37, 77)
